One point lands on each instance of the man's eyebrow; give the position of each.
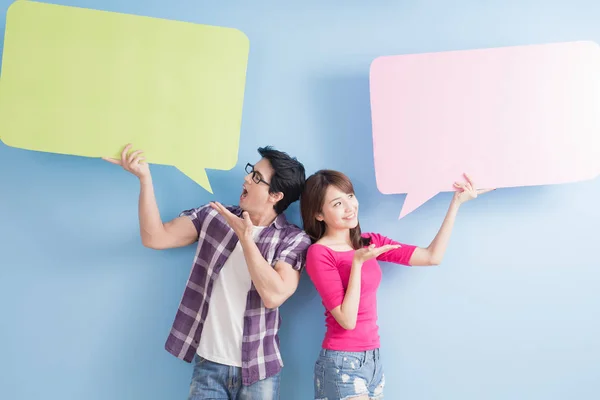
(259, 173)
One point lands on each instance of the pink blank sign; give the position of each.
(514, 116)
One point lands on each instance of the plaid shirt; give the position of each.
(281, 241)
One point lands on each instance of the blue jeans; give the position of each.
(344, 375)
(217, 381)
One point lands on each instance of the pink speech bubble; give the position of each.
(513, 116)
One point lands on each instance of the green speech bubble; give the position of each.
(85, 82)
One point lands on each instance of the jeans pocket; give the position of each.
(350, 362)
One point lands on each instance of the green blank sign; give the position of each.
(86, 82)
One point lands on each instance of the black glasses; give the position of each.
(255, 175)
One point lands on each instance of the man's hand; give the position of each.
(241, 226)
(133, 163)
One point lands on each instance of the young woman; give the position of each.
(342, 264)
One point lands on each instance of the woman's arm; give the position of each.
(434, 253)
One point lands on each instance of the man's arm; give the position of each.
(274, 285)
(179, 232)
(155, 234)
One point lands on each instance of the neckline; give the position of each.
(335, 251)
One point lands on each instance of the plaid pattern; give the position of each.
(281, 241)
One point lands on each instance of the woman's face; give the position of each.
(340, 210)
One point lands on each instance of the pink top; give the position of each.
(329, 271)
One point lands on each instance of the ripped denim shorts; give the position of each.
(344, 374)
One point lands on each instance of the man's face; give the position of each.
(255, 195)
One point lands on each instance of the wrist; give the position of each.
(455, 203)
(246, 240)
(145, 179)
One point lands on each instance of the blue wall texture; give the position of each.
(512, 312)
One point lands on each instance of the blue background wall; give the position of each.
(512, 313)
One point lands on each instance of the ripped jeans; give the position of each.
(343, 375)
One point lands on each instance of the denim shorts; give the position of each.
(342, 374)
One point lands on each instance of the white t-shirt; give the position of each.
(221, 339)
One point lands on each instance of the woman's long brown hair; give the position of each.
(313, 198)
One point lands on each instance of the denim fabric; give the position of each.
(342, 375)
(222, 382)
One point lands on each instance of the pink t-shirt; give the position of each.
(329, 271)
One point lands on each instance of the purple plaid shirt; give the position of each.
(281, 241)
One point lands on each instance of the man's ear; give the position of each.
(275, 197)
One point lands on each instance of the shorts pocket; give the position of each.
(349, 362)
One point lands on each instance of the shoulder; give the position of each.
(320, 252)
(196, 214)
(298, 234)
(374, 238)
(214, 213)
(321, 260)
(207, 217)
(289, 232)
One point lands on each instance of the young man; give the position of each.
(248, 262)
